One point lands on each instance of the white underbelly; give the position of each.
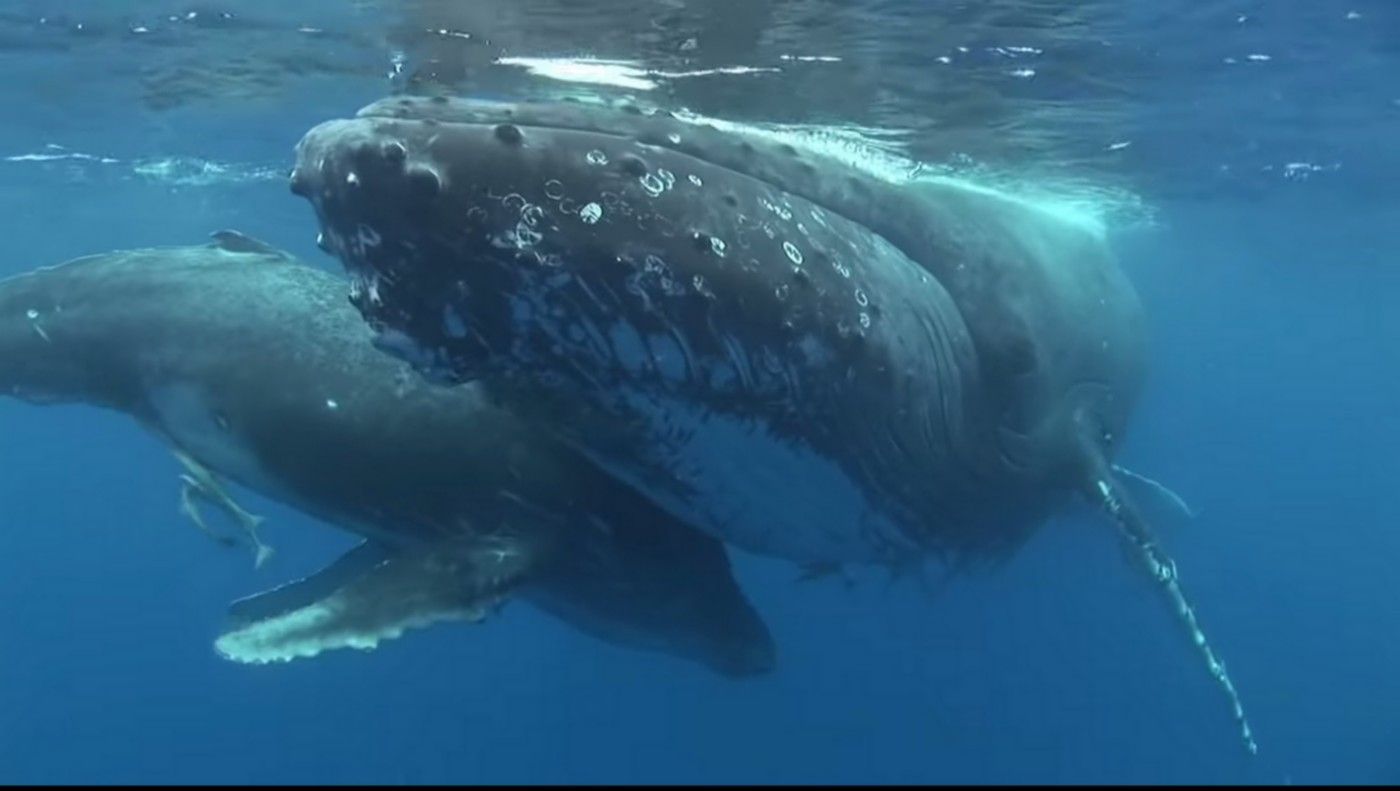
(742, 485)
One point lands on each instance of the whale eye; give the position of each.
(632, 165)
(509, 134)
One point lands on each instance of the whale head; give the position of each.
(45, 356)
(488, 239)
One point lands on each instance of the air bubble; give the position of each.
(793, 253)
(591, 213)
(717, 245)
(861, 299)
(694, 179)
(865, 321)
(554, 189)
(525, 236)
(701, 287)
(674, 138)
(652, 184)
(596, 157)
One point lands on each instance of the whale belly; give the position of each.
(737, 481)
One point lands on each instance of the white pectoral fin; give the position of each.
(368, 596)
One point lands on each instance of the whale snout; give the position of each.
(386, 213)
(464, 240)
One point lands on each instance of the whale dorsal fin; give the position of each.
(239, 242)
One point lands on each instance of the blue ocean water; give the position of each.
(1240, 154)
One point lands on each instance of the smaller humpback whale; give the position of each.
(785, 351)
(254, 369)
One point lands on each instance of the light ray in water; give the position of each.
(617, 73)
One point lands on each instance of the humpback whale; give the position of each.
(253, 367)
(786, 351)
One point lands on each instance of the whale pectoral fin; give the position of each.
(372, 594)
(308, 590)
(655, 585)
(239, 242)
(199, 481)
(1108, 491)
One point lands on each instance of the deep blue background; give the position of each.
(1272, 409)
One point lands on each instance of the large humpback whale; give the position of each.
(783, 350)
(252, 366)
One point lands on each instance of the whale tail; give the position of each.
(1108, 490)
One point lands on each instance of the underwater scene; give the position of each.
(700, 392)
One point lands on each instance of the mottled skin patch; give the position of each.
(783, 314)
(1040, 297)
